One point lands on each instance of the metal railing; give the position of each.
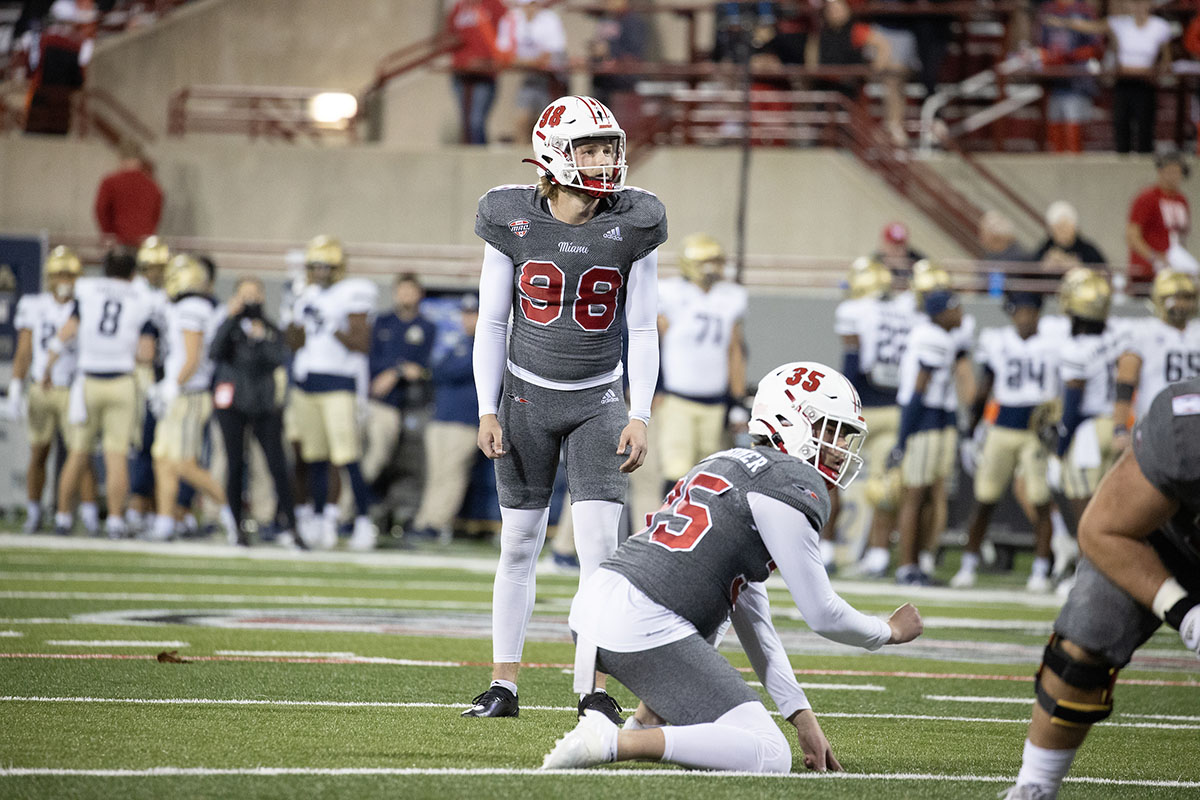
(259, 112)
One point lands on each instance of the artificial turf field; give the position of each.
(339, 675)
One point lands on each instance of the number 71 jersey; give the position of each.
(569, 281)
(112, 314)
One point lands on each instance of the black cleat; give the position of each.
(605, 704)
(495, 702)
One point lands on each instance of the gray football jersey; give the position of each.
(569, 281)
(702, 546)
(1166, 444)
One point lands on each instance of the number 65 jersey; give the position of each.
(1168, 355)
(112, 315)
(569, 281)
(702, 546)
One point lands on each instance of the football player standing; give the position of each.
(650, 613)
(573, 261)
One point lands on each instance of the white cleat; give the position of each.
(363, 538)
(327, 537)
(286, 540)
(963, 579)
(1030, 791)
(1038, 584)
(592, 742)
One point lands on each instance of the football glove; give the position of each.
(1189, 630)
(161, 395)
(14, 408)
(1054, 473)
(894, 458)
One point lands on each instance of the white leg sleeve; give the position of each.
(522, 533)
(743, 739)
(596, 523)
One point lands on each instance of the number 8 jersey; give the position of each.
(569, 281)
(112, 316)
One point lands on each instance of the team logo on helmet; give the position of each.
(519, 227)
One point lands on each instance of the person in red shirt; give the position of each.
(129, 201)
(474, 60)
(1159, 218)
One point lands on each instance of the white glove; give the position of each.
(1189, 631)
(968, 453)
(1054, 473)
(161, 396)
(15, 407)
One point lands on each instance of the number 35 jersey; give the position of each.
(112, 315)
(1168, 355)
(695, 348)
(569, 281)
(702, 547)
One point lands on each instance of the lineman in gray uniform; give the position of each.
(1123, 589)
(652, 612)
(573, 263)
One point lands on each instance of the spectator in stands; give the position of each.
(1158, 220)
(474, 61)
(621, 37)
(841, 41)
(1002, 254)
(1070, 103)
(56, 56)
(450, 449)
(894, 251)
(742, 28)
(535, 36)
(401, 345)
(129, 201)
(1140, 41)
(1064, 248)
(249, 384)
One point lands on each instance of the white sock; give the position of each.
(512, 687)
(1042, 766)
(743, 739)
(227, 520)
(1041, 567)
(827, 552)
(331, 513)
(304, 513)
(33, 513)
(970, 562)
(189, 523)
(595, 524)
(522, 534)
(634, 724)
(114, 525)
(63, 519)
(164, 526)
(134, 517)
(90, 514)
(876, 559)
(597, 690)
(927, 561)
(1058, 524)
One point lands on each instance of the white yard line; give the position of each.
(844, 687)
(282, 600)
(11, 634)
(168, 772)
(262, 580)
(954, 698)
(112, 643)
(1172, 717)
(286, 653)
(370, 704)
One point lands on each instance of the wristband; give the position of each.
(1167, 596)
(1176, 614)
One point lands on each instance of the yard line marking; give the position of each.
(113, 643)
(160, 772)
(282, 600)
(383, 704)
(262, 580)
(10, 634)
(539, 665)
(286, 653)
(846, 687)
(953, 698)
(1174, 717)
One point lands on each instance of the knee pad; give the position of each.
(1083, 675)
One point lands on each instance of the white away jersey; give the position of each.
(933, 348)
(193, 313)
(882, 328)
(112, 315)
(695, 348)
(1026, 370)
(1168, 355)
(43, 316)
(323, 312)
(963, 335)
(1092, 358)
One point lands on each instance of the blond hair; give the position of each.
(547, 188)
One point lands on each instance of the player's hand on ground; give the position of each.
(905, 623)
(1189, 630)
(633, 442)
(491, 438)
(818, 755)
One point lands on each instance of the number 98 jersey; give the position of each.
(569, 281)
(112, 315)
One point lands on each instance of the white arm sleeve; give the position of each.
(641, 320)
(491, 334)
(760, 640)
(793, 544)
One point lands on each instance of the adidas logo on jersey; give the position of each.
(614, 234)
(609, 397)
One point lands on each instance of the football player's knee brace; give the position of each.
(1091, 677)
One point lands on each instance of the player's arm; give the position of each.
(910, 416)
(794, 546)
(357, 336)
(24, 355)
(983, 390)
(1129, 372)
(193, 350)
(641, 324)
(66, 335)
(757, 634)
(1137, 243)
(1072, 414)
(737, 361)
(489, 356)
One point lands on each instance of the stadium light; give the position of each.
(332, 108)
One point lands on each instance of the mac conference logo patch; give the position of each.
(520, 227)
